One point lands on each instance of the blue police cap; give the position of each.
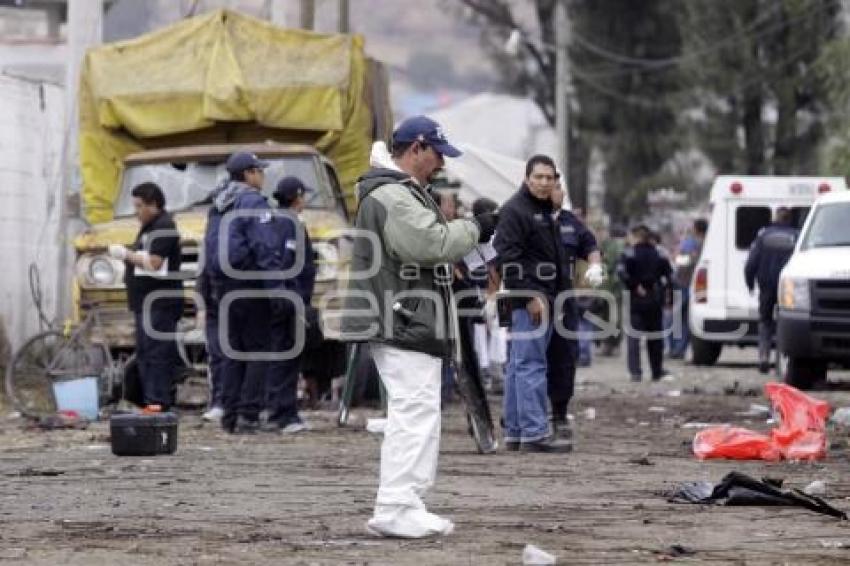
(289, 188)
(427, 131)
(242, 160)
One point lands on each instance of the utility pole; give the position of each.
(308, 14)
(276, 10)
(562, 86)
(344, 17)
(85, 29)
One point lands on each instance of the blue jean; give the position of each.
(679, 344)
(525, 383)
(585, 344)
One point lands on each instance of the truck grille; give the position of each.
(831, 297)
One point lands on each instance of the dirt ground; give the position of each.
(65, 499)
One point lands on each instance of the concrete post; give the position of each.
(85, 29)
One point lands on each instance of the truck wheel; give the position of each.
(704, 353)
(804, 373)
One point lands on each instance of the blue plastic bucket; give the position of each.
(78, 395)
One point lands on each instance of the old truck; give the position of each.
(170, 106)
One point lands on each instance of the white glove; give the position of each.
(594, 275)
(119, 252)
(490, 311)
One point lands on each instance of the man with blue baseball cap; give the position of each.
(402, 309)
(427, 132)
(239, 240)
(297, 250)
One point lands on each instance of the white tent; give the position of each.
(507, 125)
(484, 173)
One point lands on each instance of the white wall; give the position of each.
(31, 139)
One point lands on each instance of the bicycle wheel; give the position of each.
(43, 359)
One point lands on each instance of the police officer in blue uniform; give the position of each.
(578, 242)
(296, 248)
(769, 253)
(647, 278)
(240, 231)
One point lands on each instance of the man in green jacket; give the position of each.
(399, 297)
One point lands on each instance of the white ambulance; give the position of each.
(721, 310)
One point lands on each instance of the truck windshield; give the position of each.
(187, 183)
(829, 227)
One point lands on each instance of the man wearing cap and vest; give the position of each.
(240, 232)
(401, 308)
(297, 250)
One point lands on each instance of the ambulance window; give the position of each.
(798, 216)
(748, 221)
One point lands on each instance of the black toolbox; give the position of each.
(135, 434)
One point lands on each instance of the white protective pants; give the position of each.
(411, 443)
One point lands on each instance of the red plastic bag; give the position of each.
(734, 443)
(801, 434)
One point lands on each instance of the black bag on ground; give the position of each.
(136, 434)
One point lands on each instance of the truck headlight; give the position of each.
(327, 261)
(101, 271)
(98, 270)
(794, 294)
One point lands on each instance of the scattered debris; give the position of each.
(674, 393)
(641, 460)
(63, 420)
(36, 472)
(841, 417)
(657, 409)
(755, 410)
(740, 489)
(532, 555)
(735, 389)
(834, 544)
(699, 425)
(817, 487)
(676, 550)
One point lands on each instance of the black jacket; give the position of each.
(643, 265)
(159, 237)
(769, 253)
(527, 241)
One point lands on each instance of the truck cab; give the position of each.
(187, 175)
(813, 310)
(721, 309)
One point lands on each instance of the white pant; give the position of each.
(412, 436)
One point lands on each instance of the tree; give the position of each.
(627, 89)
(754, 66)
(620, 104)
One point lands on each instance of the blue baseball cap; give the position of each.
(289, 188)
(243, 160)
(426, 131)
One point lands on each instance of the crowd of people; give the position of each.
(529, 264)
(258, 268)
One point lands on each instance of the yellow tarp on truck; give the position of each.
(224, 78)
